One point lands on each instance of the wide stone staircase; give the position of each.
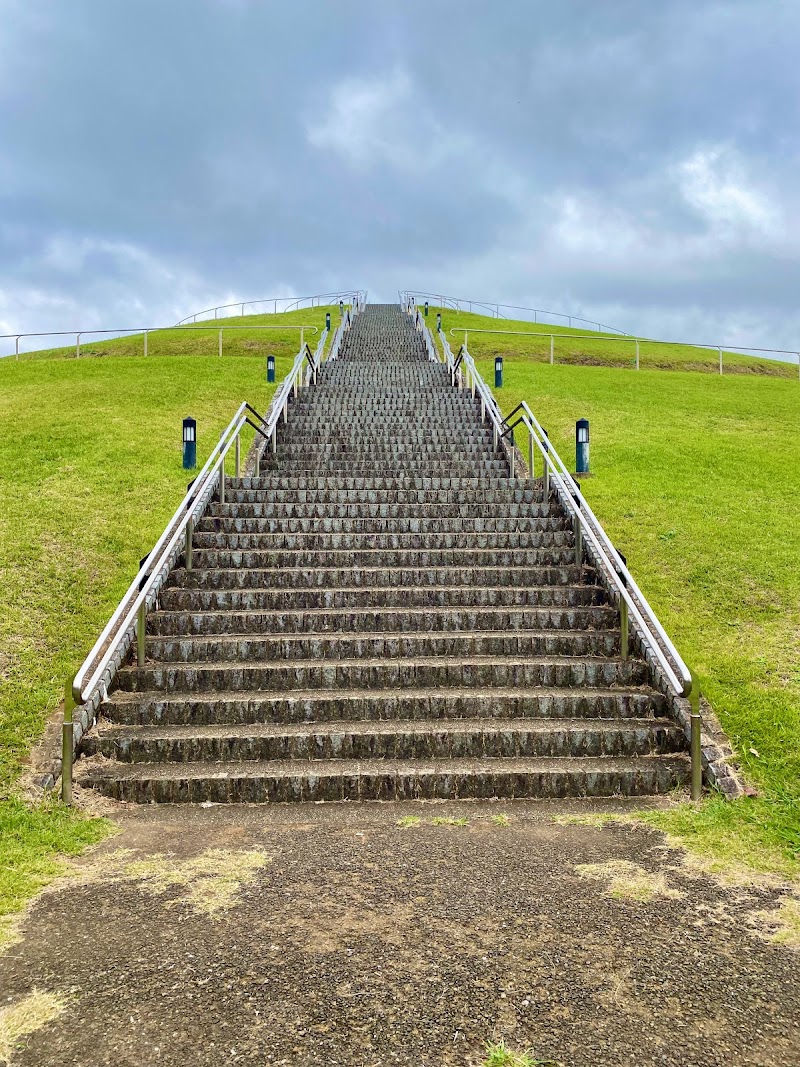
(383, 613)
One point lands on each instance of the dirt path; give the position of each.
(332, 936)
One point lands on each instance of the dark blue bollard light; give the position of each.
(438, 321)
(327, 320)
(582, 446)
(189, 444)
(426, 309)
(270, 368)
(498, 372)
(341, 308)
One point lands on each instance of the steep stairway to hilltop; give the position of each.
(384, 613)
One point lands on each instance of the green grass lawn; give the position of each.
(90, 471)
(694, 480)
(202, 339)
(588, 349)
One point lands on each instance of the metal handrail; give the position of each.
(131, 612)
(147, 330)
(493, 307)
(720, 349)
(572, 499)
(334, 297)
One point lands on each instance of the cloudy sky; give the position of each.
(631, 161)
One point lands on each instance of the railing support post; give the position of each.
(274, 439)
(16, 349)
(530, 454)
(77, 346)
(623, 628)
(67, 745)
(483, 409)
(222, 481)
(695, 746)
(188, 547)
(578, 538)
(720, 361)
(141, 626)
(238, 452)
(637, 355)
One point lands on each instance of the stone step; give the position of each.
(383, 543)
(445, 779)
(419, 739)
(380, 509)
(377, 559)
(410, 673)
(400, 597)
(486, 494)
(386, 532)
(286, 648)
(243, 577)
(376, 620)
(370, 705)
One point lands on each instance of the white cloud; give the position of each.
(714, 183)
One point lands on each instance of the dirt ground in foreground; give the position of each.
(331, 935)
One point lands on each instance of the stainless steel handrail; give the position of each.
(211, 477)
(573, 501)
(146, 331)
(494, 307)
(636, 341)
(274, 300)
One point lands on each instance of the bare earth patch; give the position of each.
(783, 922)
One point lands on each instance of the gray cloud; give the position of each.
(631, 162)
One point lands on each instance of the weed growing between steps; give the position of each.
(703, 459)
(90, 471)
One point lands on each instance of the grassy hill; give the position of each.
(588, 349)
(692, 476)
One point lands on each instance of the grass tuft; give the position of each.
(627, 881)
(408, 821)
(500, 1055)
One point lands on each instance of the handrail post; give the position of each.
(67, 744)
(141, 626)
(16, 349)
(624, 634)
(546, 476)
(239, 451)
(578, 536)
(720, 360)
(188, 548)
(530, 454)
(637, 353)
(77, 346)
(222, 481)
(695, 744)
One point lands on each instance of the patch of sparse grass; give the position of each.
(501, 819)
(589, 818)
(500, 1055)
(208, 882)
(449, 820)
(627, 881)
(408, 821)
(783, 922)
(25, 1017)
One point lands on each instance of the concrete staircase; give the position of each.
(384, 613)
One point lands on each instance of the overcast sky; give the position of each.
(628, 160)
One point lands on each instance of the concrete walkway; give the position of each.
(331, 935)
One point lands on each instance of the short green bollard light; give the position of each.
(498, 372)
(189, 444)
(327, 320)
(438, 322)
(270, 368)
(582, 446)
(426, 309)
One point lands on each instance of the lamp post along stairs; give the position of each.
(384, 612)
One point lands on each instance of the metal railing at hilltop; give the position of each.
(127, 625)
(494, 309)
(286, 303)
(590, 537)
